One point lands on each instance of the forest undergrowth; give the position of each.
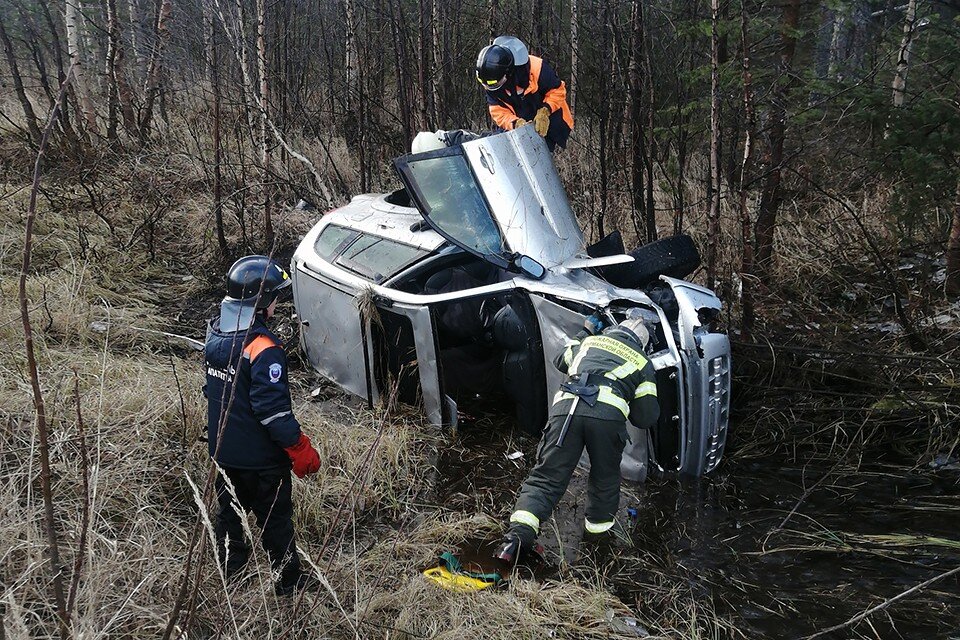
(854, 351)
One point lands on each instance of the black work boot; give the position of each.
(232, 558)
(509, 549)
(292, 582)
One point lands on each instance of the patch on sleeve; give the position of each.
(275, 372)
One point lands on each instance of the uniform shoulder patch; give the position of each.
(275, 371)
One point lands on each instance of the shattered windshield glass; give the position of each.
(454, 203)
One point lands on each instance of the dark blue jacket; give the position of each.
(252, 366)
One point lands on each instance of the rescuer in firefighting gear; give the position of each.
(609, 381)
(253, 435)
(521, 88)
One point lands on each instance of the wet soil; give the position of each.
(780, 545)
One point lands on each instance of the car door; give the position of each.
(498, 197)
(333, 335)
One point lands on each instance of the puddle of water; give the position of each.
(782, 549)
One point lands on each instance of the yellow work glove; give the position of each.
(519, 122)
(541, 121)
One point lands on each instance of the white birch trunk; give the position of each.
(436, 77)
(353, 59)
(903, 57)
(72, 20)
(264, 118)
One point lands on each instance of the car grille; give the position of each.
(718, 408)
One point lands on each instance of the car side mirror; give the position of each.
(530, 267)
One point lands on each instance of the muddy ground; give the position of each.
(781, 545)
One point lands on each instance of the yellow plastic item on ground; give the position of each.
(455, 581)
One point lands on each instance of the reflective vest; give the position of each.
(615, 362)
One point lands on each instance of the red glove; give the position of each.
(305, 458)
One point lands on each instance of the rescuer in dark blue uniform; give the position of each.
(609, 381)
(253, 435)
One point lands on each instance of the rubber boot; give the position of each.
(508, 550)
(236, 559)
(294, 581)
(601, 548)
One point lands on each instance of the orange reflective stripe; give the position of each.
(556, 98)
(503, 116)
(557, 101)
(258, 346)
(536, 64)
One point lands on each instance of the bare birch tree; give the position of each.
(746, 167)
(574, 54)
(899, 84)
(265, 141)
(952, 283)
(136, 34)
(438, 72)
(713, 218)
(352, 61)
(72, 20)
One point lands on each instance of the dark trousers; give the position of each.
(547, 482)
(267, 493)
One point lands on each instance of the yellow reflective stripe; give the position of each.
(617, 348)
(606, 396)
(646, 389)
(621, 372)
(527, 518)
(572, 368)
(599, 527)
(568, 354)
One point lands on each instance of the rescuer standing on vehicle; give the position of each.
(610, 380)
(522, 88)
(252, 432)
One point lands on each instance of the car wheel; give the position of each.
(676, 257)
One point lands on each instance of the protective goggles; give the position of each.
(492, 85)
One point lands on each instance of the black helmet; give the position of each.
(493, 65)
(244, 293)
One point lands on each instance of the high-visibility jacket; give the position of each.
(247, 381)
(615, 362)
(534, 85)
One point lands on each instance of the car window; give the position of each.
(454, 203)
(332, 241)
(377, 258)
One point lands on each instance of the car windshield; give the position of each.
(454, 204)
(372, 257)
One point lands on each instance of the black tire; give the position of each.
(675, 257)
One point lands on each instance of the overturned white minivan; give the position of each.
(461, 287)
